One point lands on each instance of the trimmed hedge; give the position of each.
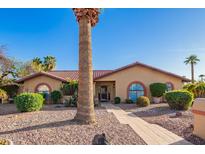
(158, 89)
(117, 100)
(28, 102)
(143, 101)
(56, 96)
(179, 99)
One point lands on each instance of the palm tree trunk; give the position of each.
(85, 107)
(192, 72)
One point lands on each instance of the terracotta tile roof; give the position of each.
(64, 75)
(38, 74)
(73, 74)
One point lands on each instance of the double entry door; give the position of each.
(104, 95)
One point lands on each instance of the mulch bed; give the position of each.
(162, 115)
(54, 125)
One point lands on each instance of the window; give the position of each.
(43, 88)
(135, 90)
(169, 86)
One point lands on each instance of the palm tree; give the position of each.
(37, 64)
(192, 59)
(49, 63)
(86, 18)
(202, 77)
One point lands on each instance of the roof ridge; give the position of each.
(73, 70)
(145, 65)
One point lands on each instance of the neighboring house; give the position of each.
(130, 81)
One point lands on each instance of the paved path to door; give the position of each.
(150, 133)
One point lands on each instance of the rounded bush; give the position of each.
(143, 101)
(28, 102)
(158, 89)
(56, 96)
(179, 99)
(117, 100)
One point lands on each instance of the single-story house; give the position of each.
(128, 82)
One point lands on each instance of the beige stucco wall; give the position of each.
(198, 110)
(30, 85)
(122, 79)
(142, 74)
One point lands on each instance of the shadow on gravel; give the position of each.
(46, 125)
(6, 109)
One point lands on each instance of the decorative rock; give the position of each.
(100, 139)
(178, 114)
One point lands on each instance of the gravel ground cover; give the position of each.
(54, 125)
(162, 115)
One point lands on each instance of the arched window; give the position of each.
(170, 86)
(43, 88)
(135, 90)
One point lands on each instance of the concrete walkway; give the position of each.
(151, 133)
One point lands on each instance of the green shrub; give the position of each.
(117, 100)
(56, 96)
(129, 101)
(72, 102)
(27, 102)
(69, 88)
(158, 89)
(43, 94)
(143, 101)
(197, 89)
(179, 99)
(3, 95)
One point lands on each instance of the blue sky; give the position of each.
(158, 37)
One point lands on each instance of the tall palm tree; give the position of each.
(192, 59)
(49, 63)
(86, 18)
(201, 76)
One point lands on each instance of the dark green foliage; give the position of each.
(129, 101)
(28, 102)
(69, 88)
(179, 99)
(158, 89)
(11, 90)
(143, 101)
(117, 100)
(56, 96)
